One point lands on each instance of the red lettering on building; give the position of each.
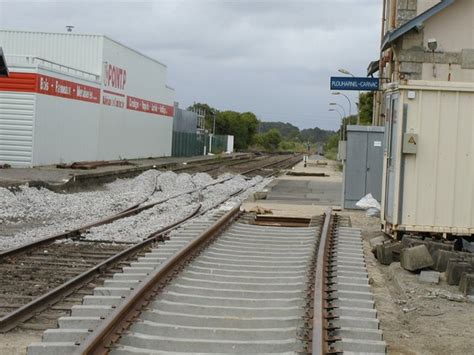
(137, 104)
(115, 77)
(48, 85)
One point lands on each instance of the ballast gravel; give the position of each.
(32, 213)
(135, 228)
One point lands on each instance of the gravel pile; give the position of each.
(33, 213)
(136, 228)
(32, 204)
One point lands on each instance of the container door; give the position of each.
(355, 168)
(374, 164)
(391, 131)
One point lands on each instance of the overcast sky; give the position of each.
(271, 57)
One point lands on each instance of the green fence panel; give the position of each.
(188, 144)
(219, 144)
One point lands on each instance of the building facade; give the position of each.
(73, 97)
(427, 107)
(430, 40)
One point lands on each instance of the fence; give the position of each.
(191, 144)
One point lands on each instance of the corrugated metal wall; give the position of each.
(219, 144)
(79, 51)
(432, 188)
(364, 164)
(184, 121)
(437, 182)
(189, 144)
(16, 128)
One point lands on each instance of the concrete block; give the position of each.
(356, 312)
(364, 346)
(59, 348)
(402, 5)
(434, 246)
(358, 333)
(112, 291)
(413, 49)
(441, 258)
(376, 241)
(355, 322)
(466, 285)
(90, 310)
(353, 295)
(416, 258)
(260, 195)
(342, 286)
(102, 300)
(409, 241)
(467, 59)
(79, 322)
(455, 270)
(429, 276)
(356, 303)
(65, 335)
(403, 16)
(384, 254)
(412, 5)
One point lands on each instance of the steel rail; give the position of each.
(318, 344)
(78, 231)
(135, 209)
(265, 166)
(226, 162)
(12, 319)
(25, 312)
(110, 329)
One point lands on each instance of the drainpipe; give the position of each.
(378, 94)
(396, 65)
(393, 14)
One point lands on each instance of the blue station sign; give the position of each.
(358, 84)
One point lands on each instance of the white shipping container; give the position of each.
(429, 159)
(230, 144)
(75, 97)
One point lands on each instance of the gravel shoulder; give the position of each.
(131, 229)
(416, 318)
(33, 213)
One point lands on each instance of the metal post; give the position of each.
(358, 109)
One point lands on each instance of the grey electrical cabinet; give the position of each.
(363, 168)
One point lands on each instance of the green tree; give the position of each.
(331, 146)
(287, 130)
(243, 126)
(366, 104)
(272, 139)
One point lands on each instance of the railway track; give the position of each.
(260, 165)
(53, 275)
(225, 284)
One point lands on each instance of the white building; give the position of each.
(72, 97)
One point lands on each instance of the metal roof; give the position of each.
(3, 64)
(373, 67)
(416, 22)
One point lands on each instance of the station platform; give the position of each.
(303, 191)
(58, 179)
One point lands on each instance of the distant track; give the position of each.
(49, 273)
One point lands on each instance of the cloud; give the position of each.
(272, 57)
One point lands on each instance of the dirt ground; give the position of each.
(16, 341)
(416, 318)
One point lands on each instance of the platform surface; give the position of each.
(304, 196)
(50, 176)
